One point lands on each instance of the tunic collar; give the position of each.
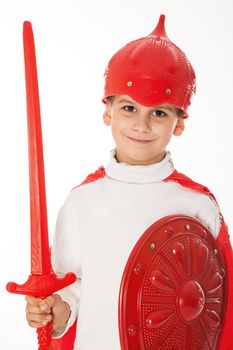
(140, 173)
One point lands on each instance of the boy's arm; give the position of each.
(66, 256)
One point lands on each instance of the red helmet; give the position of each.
(151, 70)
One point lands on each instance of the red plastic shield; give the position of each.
(173, 290)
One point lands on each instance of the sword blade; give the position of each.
(40, 254)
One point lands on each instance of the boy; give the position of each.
(148, 88)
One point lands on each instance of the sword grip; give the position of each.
(44, 336)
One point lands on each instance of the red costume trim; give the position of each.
(98, 174)
(223, 239)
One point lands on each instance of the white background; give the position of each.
(74, 41)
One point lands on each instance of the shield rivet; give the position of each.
(204, 234)
(138, 269)
(132, 330)
(130, 83)
(168, 91)
(152, 246)
(187, 227)
(169, 230)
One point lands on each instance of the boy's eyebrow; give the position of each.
(127, 101)
(165, 106)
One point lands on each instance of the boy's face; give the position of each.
(141, 133)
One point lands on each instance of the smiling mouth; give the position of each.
(139, 140)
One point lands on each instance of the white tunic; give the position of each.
(96, 230)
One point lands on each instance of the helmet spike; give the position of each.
(159, 30)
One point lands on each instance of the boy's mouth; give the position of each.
(139, 140)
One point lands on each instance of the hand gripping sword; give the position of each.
(43, 281)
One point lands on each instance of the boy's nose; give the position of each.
(141, 125)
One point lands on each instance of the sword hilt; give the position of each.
(41, 286)
(44, 336)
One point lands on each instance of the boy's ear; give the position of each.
(107, 114)
(179, 127)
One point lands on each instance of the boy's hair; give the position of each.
(152, 70)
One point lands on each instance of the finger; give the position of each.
(37, 324)
(36, 309)
(47, 303)
(38, 318)
(33, 300)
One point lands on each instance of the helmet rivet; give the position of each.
(168, 91)
(129, 84)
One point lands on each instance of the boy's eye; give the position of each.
(129, 108)
(159, 113)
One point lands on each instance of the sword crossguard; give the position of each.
(42, 286)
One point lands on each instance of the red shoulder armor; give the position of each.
(185, 181)
(98, 174)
